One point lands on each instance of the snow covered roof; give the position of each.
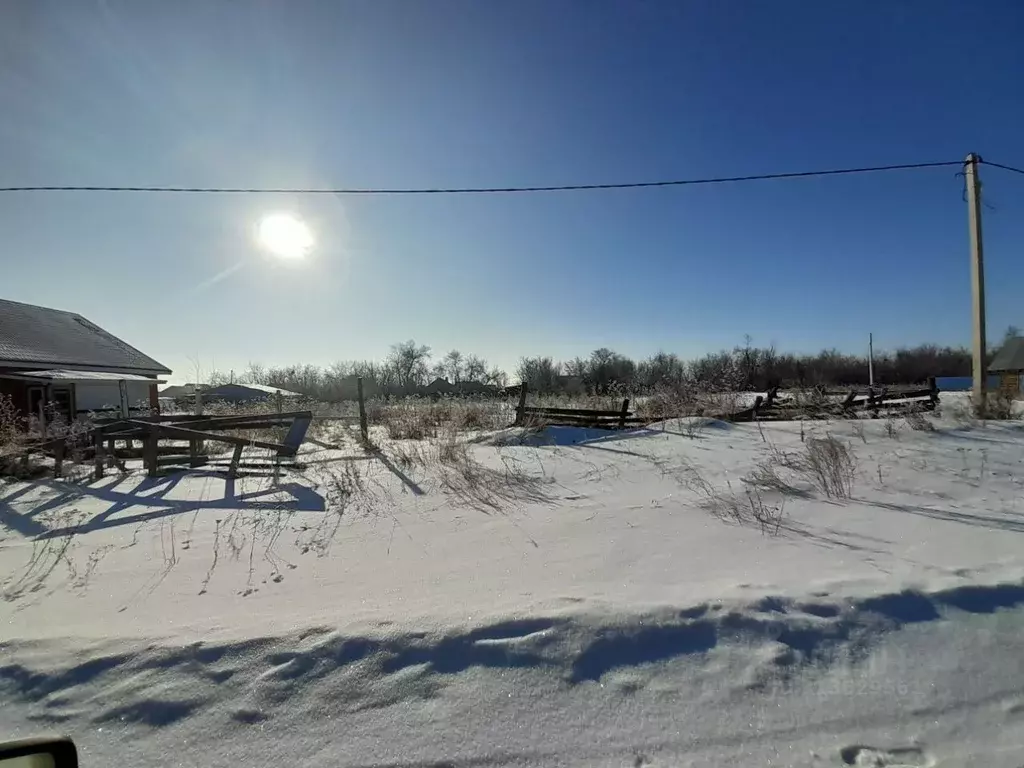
(87, 376)
(1010, 357)
(263, 388)
(40, 337)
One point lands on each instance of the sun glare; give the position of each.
(285, 236)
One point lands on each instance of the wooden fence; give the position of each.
(579, 417)
(771, 407)
(873, 401)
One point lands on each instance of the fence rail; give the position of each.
(772, 407)
(584, 417)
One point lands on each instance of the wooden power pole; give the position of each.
(979, 369)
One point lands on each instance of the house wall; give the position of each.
(94, 396)
(1011, 382)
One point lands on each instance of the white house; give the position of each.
(49, 356)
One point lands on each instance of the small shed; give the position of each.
(1008, 365)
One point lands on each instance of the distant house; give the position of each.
(246, 393)
(439, 387)
(57, 362)
(180, 391)
(476, 388)
(1008, 365)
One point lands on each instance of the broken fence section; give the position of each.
(770, 407)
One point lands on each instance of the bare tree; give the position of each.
(408, 363)
(453, 366)
(254, 374)
(540, 374)
(497, 377)
(475, 368)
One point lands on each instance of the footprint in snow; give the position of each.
(875, 757)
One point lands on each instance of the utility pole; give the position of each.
(980, 374)
(871, 360)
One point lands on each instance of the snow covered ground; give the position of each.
(569, 598)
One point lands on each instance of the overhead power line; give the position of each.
(487, 190)
(1004, 167)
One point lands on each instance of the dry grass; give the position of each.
(827, 463)
(685, 400)
(830, 465)
(18, 438)
(916, 420)
(420, 419)
(453, 464)
(766, 476)
(997, 406)
(747, 508)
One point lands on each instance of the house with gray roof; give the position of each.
(1008, 365)
(53, 361)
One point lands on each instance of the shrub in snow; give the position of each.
(830, 465)
(997, 406)
(917, 422)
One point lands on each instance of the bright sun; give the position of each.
(285, 236)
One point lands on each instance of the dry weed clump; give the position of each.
(420, 419)
(917, 421)
(997, 406)
(460, 474)
(830, 465)
(18, 435)
(827, 463)
(687, 399)
(12, 437)
(481, 487)
(766, 476)
(747, 508)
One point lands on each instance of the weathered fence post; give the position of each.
(58, 458)
(624, 413)
(97, 442)
(364, 429)
(521, 408)
(848, 402)
(151, 443)
(236, 457)
(200, 445)
(193, 453)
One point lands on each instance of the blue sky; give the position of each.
(409, 93)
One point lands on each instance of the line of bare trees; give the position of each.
(409, 366)
(745, 368)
